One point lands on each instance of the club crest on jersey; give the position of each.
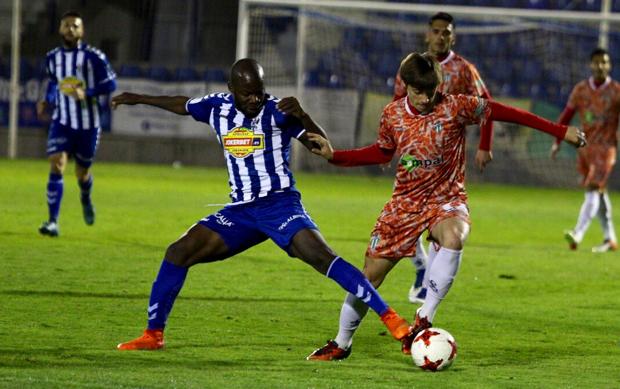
(410, 163)
(241, 142)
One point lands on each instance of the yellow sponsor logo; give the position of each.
(68, 84)
(241, 142)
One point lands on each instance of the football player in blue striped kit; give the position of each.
(255, 132)
(78, 74)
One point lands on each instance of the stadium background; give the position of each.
(341, 62)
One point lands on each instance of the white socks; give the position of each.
(432, 252)
(419, 259)
(589, 209)
(604, 214)
(351, 314)
(441, 273)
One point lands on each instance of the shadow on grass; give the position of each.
(135, 296)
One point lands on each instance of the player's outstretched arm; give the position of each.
(175, 104)
(505, 113)
(367, 155)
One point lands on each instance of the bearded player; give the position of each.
(78, 74)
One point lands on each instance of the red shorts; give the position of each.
(396, 232)
(595, 163)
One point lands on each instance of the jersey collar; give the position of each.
(410, 108)
(451, 55)
(603, 85)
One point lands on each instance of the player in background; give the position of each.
(78, 74)
(459, 77)
(597, 100)
(255, 132)
(426, 132)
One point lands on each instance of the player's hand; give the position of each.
(125, 98)
(555, 148)
(321, 146)
(483, 158)
(575, 136)
(75, 92)
(42, 109)
(291, 106)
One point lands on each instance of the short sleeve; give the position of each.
(102, 68)
(200, 107)
(471, 109)
(573, 99)
(289, 124)
(476, 86)
(385, 139)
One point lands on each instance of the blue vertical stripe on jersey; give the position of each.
(250, 164)
(90, 82)
(270, 165)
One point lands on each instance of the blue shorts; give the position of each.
(82, 144)
(278, 216)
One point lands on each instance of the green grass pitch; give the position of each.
(525, 311)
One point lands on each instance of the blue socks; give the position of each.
(54, 195)
(165, 290)
(353, 281)
(85, 187)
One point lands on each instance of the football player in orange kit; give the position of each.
(597, 101)
(426, 131)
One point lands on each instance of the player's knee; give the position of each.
(57, 165)
(82, 174)
(454, 241)
(177, 254)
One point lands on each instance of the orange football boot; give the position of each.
(150, 340)
(398, 327)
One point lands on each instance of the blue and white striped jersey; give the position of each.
(256, 150)
(83, 66)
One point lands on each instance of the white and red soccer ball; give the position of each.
(433, 349)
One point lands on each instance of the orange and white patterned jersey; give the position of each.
(430, 149)
(598, 109)
(459, 77)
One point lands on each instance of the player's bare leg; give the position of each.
(198, 244)
(310, 247)
(352, 313)
(55, 186)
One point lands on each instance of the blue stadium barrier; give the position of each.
(159, 73)
(130, 71)
(215, 75)
(186, 74)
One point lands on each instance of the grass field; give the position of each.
(525, 311)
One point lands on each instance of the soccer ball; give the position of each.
(433, 349)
